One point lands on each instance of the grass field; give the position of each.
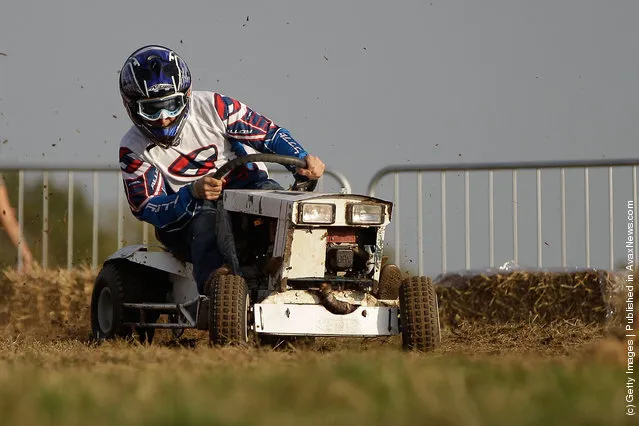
(566, 373)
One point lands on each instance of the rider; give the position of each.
(179, 138)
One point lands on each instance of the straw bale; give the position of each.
(529, 296)
(46, 301)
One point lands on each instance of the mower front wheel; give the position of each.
(419, 315)
(229, 305)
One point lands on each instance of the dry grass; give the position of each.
(72, 383)
(553, 372)
(53, 306)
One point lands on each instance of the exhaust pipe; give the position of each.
(331, 303)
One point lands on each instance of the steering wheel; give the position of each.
(285, 160)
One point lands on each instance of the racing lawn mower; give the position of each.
(299, 264)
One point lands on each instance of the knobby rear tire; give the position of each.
(109, 290)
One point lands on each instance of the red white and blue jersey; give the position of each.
(217, 129)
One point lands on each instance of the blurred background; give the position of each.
(362, 84)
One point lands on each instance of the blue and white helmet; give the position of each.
(155, 83)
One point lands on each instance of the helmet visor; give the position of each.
(165, 107)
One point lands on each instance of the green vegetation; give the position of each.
(73, 384)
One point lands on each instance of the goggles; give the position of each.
(164, 107)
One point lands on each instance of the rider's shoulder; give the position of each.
(134, 140)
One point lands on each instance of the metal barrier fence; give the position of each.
(593, 225)
(628, 210)
(115, 183)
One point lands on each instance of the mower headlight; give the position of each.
(314, 213)
(366, 214)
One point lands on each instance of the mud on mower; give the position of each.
(302, 264)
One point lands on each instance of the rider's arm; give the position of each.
(245, 126)
(148, 197)
(10, 224)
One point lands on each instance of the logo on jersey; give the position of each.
(195, 163)
(129, 163)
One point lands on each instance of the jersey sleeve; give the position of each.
(244, 126)
(148, 197)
